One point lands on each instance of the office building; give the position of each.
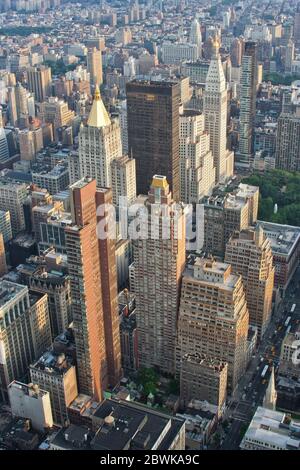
(196, 164)
(48, 275)
(123, 179)
(215, 114)
(236, 52)
(31, 142)
(74, 167)
(5, 225)
(285, 245)
(203, 378)
(24, 331)
(247, 103)
(271, 430)
(4, 149)
(99, 143)
(31, 402)
(3, 265)
(55, 180)
(213, 317)
(109, 287)
(159, 260)
(196, 36)
(12, 198)
(39, 82)
(92, 269)
(249, 253)
(153, 132)
(56, 374)
(223, 215)
(287, 153)
(94, 66)
(177, 52)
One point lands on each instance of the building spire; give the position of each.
(98, 116)
(270, 397)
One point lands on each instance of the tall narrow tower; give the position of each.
(248, 103)
(94, 66)
(270, 397)
(99, 143)
(94, 291)
(159, 260)
(215, 113)
(196, 36)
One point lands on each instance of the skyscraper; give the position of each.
(213, 317)
(159, 259)
(297, 27)
(93, 274)
(196, 167)
(94, 66)
(99, 143)
(247, 102)
(249, 253)
(39, 82)
(287, 153)
(195, 36)
(215, 113)
(153, 131)
(24, 331)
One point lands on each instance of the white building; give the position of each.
(123, 179)
(29, 401)
(196, 36)
(5, 225)
(196, 163)
(271, 430)
(99, 143)
(176, 53)
(215, 113)
(12, 198)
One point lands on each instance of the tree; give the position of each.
(148, 378)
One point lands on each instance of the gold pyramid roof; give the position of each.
(98, 116)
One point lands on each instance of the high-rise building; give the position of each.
(4, 149)
(5, 225)
(12, 198)
(247, 103)
(289, 56)
(24, 331)
(93, 275)
(223, 215)
(236, 52)
(177, 52)
(3, 265)
(159, 259)
(123, 179)
(213, 317)
(48, 275)
(31, 142)
(196, 164)
(39, 82)
(153, 132)
(249, 253)
(215, 113)
(99, 143)
(56, 373)
(109, 287)
(297, 28)
(87, 309)
(288, 142)
(203, 378)
(94, 66)
(56, 112)
(196, 36)
(12, 106)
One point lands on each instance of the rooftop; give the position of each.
(273, 428)
(9, 290)
(53, 363)
(283, 238)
